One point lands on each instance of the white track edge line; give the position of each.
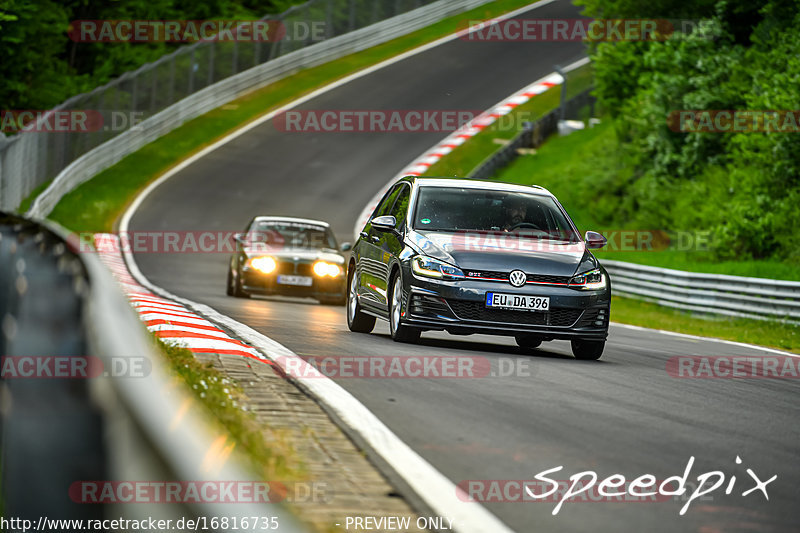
(708, 339)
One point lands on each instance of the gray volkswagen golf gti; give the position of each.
(468, 256)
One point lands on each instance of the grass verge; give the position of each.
(649, 315)
(97, 204)
(275, 460)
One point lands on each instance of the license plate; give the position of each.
(303, 281)
(499, 300)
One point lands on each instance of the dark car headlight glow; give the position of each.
(591, 280)
(264, 264)
(324, 268)
(433, 268)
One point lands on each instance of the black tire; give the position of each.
(587, 350)
(238, 291)
(399, 332)
(229, 284)
(357, 320)
(528, 342)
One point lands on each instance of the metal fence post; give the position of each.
(562, 106)
(211, 61)
(171, 93)
(134, 92)
(192, 65)
(154, 90)
(329, 19)
(235, 56)
(308, 22)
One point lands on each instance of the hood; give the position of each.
(503, 251)
(297, 254)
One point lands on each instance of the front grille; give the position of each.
(478, 311)
(541, 278)
(294, 269)
(429, 305)
(503, 276)
(490, 274)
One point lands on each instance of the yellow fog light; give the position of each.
(264, 264)
(323, 268)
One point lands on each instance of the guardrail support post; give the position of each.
(562, 112)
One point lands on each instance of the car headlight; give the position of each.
(592, 280)
(264, 264)
(433, 268)
(323, 268)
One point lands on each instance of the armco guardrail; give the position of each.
(719, 294)
(194, 80)
(55, 432)
(531, 136)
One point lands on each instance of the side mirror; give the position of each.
(384, 223)
(594, 240)
(345, 247)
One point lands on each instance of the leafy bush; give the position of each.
(744, 186)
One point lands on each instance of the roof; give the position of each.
(479, 184)
(293, 219)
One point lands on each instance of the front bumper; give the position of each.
(256, 282)
(459, 307)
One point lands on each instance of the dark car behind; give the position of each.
(288, 256)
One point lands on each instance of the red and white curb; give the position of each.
(479, 123)
(171, 322)
(432, 156)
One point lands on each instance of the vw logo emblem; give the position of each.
(517, 278)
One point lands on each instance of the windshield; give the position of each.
(466, 209)
(291, 235)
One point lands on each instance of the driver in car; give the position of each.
(515, 210)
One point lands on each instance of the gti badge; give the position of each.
(517, 278)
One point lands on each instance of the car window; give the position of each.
(400, 208)
(280, 234)
(387, 202)
(471, 209)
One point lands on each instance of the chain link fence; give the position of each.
(35, 156)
